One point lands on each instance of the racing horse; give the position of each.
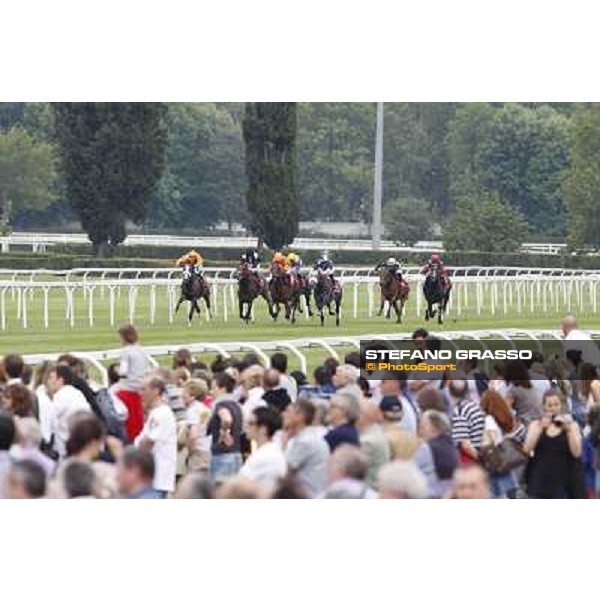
(282, 293)
(327, 292)
(394, 291)
(435, 293)
(250, 286)
(193, 288)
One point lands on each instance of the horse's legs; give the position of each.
(381, 306)
(338, 303)
(274, 310)
(191, 312)
(331, 310)
(196, 306)
(207, 302)
(241, 306)
(181, 299)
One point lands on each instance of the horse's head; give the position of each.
(277, 270)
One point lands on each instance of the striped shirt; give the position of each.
(468, 423)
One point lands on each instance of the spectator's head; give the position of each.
(27, 374)
(494, 404)
(26, 481)
(29, 432)
(241, 488)
(271, 379)
(13, 366)
(348, 462)
(391, 409)
(222, 384)
(345, 375)
(299, 377)
(568, 324)
(574, 357)
(194, 390)
(42, 372)
(220, 364)
(433, 424)
(17, 399)
(263, 424)
(135, 471)
(195, 487)
(393, 384)
(8, 430)
(252, 377)
(182, 358)
(364, 386)
(516, 372)
(76, 364)
(279, 361)
(419, 336)
(86, 437)
(58, 377)
(322, 376)
(553, 402)
(401, 479)
(471, 483)
(458, 390)
(79, 480)
(352, 358)
(181, 375)
(369, 414)
(299, 415)
(289, 488)
(153, 390)
(331, 364)
(113, 373)
(321, 410)
(128, 334)
(344, 409)
(430, 398)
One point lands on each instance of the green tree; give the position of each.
(581, 185)
(270, 143)
(26, 173)
(112, 158)
(484, 224)
(407, 220)
(517, 152)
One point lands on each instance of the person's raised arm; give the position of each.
(534, 432)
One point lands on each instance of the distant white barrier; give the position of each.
(40, 241)
(299, 347)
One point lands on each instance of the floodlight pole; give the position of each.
(378, 186)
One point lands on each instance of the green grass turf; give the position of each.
(60, 336)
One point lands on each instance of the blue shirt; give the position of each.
(344, 434)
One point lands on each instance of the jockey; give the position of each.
(192, 259)
(250, 257)
(393, 266)
(295, 263)
(324, 265)
(435, 264)
(280, 259)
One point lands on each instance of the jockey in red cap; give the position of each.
(436, 264)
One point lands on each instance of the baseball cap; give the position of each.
(391, 404)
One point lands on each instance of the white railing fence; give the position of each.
(299, 348)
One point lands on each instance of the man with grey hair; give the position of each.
(348, 468)
(401, 479)
(343, 415)
(345, 380)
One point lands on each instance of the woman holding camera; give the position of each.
(554, 443)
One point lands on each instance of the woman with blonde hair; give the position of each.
(251, 380)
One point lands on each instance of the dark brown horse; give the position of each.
(393, 291)
(283, 293)
(328, 292)
(250, 286)
(193, 288)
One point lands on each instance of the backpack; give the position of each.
(114, 425)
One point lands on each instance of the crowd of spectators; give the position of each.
(236, 428)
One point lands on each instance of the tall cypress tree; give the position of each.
(112, 158)
(272, 200)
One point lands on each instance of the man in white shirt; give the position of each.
(159, 435)
(575, 339)
(67, 401)
(267, 464)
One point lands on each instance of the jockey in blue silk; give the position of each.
(250, 257)
(324, 265)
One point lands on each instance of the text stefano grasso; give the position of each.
(448, 355)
